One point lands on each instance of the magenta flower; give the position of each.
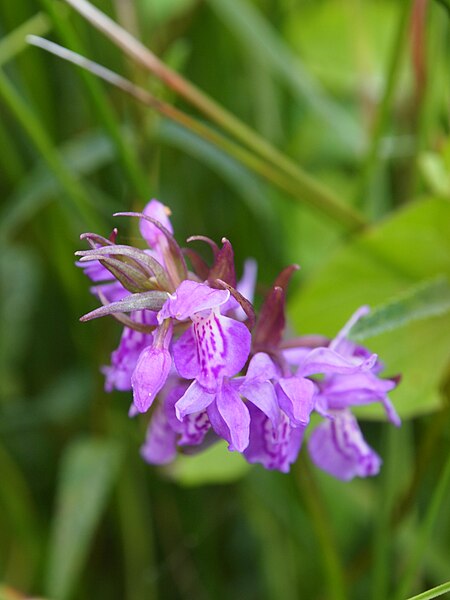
(205, 367)
(338, 447)
(166, 433)
(273, 447)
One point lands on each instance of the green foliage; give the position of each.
(403, 252)
(88, 470)
(332, 106)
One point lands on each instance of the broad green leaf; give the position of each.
(405, 250)
(215, 465)
(425, 300)
(88, 471)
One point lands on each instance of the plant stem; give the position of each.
(424, 532)
(433, 593)
(322, 526)
(373, 156)
(313, 194)
(102, 107)
(43, 144)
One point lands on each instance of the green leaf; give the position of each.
(428, 299)
(215, 465)
(88, 471)
(404, 252)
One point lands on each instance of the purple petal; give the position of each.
(113, 292)
(124, 359)
(245, 286)
(324, 360)
(338, 447)
(235, 414)
(223, 348)
(151, 234)
(193, 427)
(262, 394)
(160, 444)
(149, 376)
(296, 398)
(185, 355)
(217, 422)
(247, 283)
(191, 297)
(275, 448)
(261, 368)
(339, 342)
(361, 388)
(194, 400)
(95, 271)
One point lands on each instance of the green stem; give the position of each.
(313, 194)
(13, 43)
(382, 537)
(372, 160)
(100, 103)
(433, 593)
(43, 144)
(316, 192)
(323, 529)
(424, 533)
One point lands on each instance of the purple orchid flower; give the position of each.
(273, 447)
(152, 368)
(166, 433)
(212, 350)
(124, 359)
(338, 447)
(189, 334)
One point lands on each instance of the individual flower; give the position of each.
(337, 445)
(166, 433)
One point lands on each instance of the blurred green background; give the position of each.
(357, 94)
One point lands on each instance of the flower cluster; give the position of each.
(195, 353)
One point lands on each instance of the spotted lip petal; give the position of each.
(274, 448)
(338, 447)
(160, 444)
(223, 346)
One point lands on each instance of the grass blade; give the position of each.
(88, 471)
(306, 184)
